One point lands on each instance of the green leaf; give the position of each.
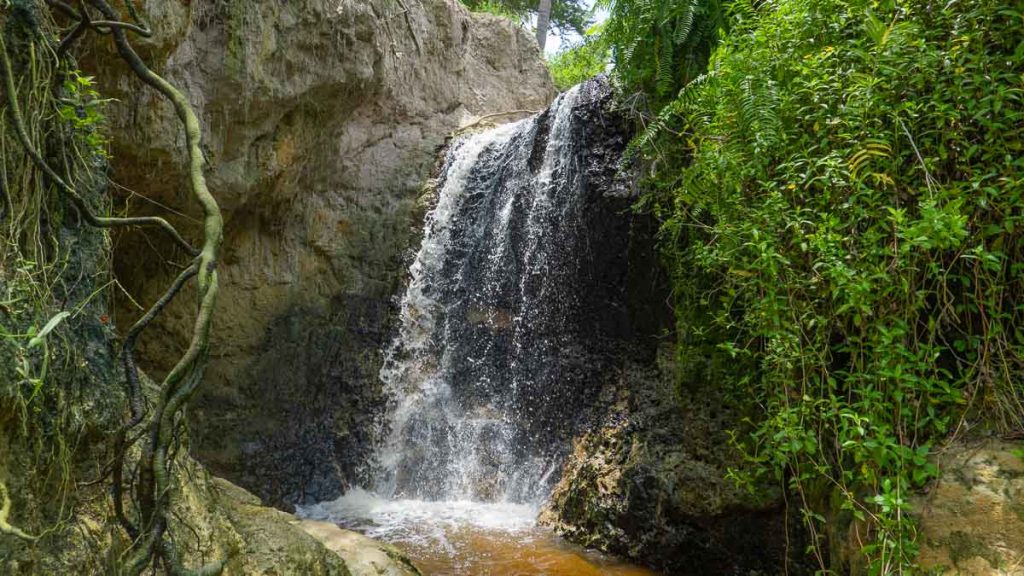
(40, 338)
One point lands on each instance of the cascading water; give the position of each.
(484, 318)
(504, 332)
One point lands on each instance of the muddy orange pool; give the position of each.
(464, 538)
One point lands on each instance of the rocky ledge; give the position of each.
(649, 481)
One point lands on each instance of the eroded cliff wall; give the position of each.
(322, 119)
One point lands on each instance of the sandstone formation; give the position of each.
(322, 120)
(972, 520)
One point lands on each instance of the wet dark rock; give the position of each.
(648, 481)
(517, 305)
(646, 475)
(311, 438)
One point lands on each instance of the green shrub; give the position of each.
(842, 198)
(581, 61)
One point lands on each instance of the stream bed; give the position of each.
(464, 538)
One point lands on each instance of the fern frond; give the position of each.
(684, 24)
(666, 66)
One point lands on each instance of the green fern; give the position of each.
(658, 46)
(684, 23)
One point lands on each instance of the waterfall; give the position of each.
(522, 311)
(487, 335)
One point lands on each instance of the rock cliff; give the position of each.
(971, 522)
(322, 119)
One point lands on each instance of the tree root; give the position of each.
(101, 26)
(40, 162)
(5, 511)
(77, 32)
(135, 400)
(154, 487)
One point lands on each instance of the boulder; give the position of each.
(363, 556)
(650, 481)
(971, 522)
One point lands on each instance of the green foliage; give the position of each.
(52, 391)
(496, 8)
(660, 46)
(566, 15)
(842, 199)
(581, 61)
(82, 108)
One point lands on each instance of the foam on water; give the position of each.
(437, 528)
(391, 520)
(461, 537)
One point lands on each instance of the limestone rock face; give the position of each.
(972, 522)
(321, 122)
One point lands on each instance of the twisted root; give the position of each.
(5, 511)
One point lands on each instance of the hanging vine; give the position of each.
(150, 482)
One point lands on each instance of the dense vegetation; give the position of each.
(42, 265)
(54, 285)
(841, 202)
(840, 188)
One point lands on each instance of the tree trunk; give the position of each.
(543, 20)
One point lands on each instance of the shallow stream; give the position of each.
(463, 538)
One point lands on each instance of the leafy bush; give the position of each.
(842, 198)
(581, 61)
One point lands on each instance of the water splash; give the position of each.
(388, 519)
(455, 538)
(486, 342)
